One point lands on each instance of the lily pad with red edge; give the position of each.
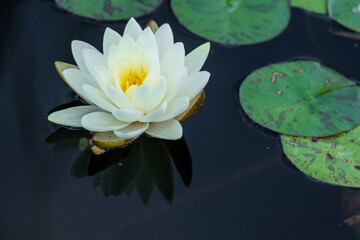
(301, 98)
(334, 160)
(112, 10)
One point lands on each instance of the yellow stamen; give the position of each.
(132, 77)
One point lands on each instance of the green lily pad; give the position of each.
(109, 9)
(234, 22)
(345, 12)
(317, 6)
(301, 98)
(334, 160)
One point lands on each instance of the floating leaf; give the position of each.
(234, 22)
(345, 12)
(301, 98)
(109, 9)
(317, 6)
(334, 160)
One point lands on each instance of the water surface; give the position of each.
(242, 185)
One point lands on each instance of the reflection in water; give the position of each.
(351, 209)
(139, 166)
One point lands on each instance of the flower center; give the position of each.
(132, 76)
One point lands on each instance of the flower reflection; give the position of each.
(140, 166)
(350, 199)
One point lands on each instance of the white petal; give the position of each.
(193, 84)
(119, 98)
(170, 129)
(93, 58)
(132, 131)
(133, 29)
(196, 59)
(112, 57)
(128, 115)
(77, 48)
(101, 122)
(156, 114)
(71, 116)
(128, 45)
(103, 78)
(147, 42)
(154, 76)
(76, 79)
(164, 38)
(172, 65)
(110, 38)
(120, 54)
(173, 93)
(146, 97)
(97, 97)
(176, 107)
(130, 91)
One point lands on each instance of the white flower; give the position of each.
(140, 83)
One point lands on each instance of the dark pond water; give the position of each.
(242, 185)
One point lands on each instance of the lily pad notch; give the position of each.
(301, 98)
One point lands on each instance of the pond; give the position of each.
(242, 185)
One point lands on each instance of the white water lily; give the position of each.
(140, 83)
